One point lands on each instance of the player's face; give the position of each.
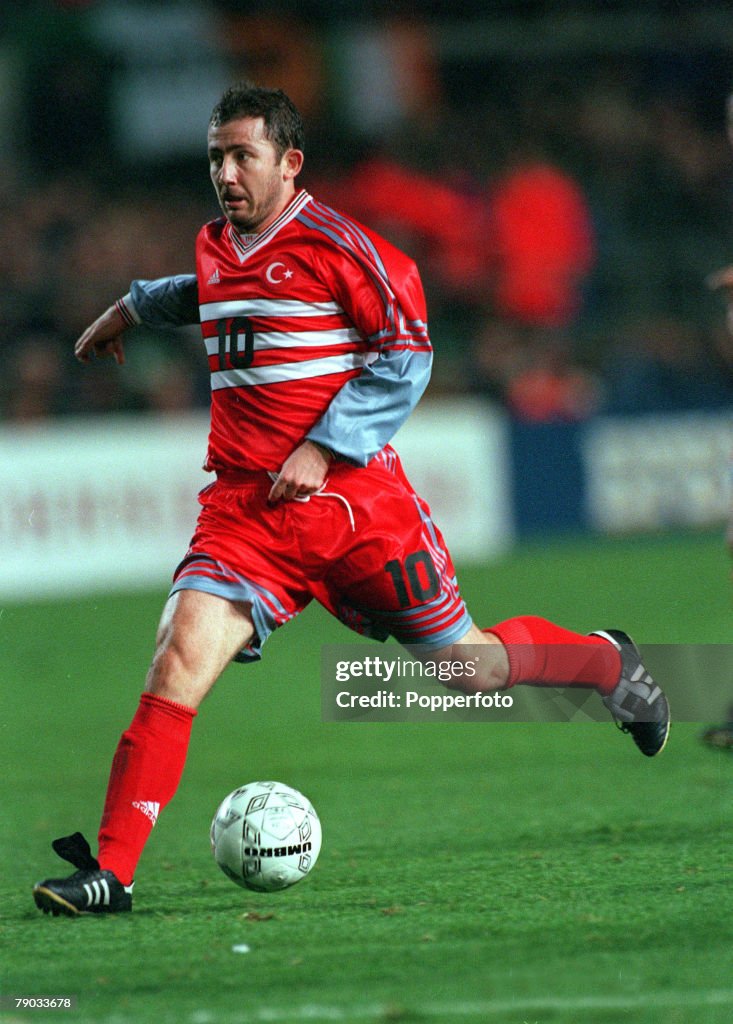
(253, 186)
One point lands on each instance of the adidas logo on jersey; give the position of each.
(150, 808)
(214, 279)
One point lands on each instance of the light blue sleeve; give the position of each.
(164, 302)
(369, 409)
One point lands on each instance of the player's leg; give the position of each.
(403, 575)
(220, 608)
(198, 636)
(399, 578)
(481, 651)
(535, 652)
(235, 586)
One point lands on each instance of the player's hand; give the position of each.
(722, 278)
(302, 474)
(103, 338)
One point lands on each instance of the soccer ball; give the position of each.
(265, 836)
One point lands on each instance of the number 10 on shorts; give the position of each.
(411, 585)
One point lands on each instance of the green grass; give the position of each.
(469, 873)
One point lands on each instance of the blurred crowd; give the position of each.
(564, 212)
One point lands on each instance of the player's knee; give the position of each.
(173, 672)
(485, 670)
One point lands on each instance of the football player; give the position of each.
(316, 337)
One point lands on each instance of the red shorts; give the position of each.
(364, 546)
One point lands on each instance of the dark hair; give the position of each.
(283, 123)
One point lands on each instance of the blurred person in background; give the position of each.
(541, 250)
(543, 239)
(32, 384)
(721, 736)
(533, 372)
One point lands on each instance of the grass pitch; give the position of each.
(470, 872)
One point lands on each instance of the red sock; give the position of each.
(543, 654)
(146, 770)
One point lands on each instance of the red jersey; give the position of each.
(289, 318)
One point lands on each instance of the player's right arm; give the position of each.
(165, 302)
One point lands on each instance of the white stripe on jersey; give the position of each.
(267, 307)
(294, 339)
(280, 372)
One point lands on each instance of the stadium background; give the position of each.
(562, 175)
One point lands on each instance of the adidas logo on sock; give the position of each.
(150, 808)
(214, 279)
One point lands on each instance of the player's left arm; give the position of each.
(361, 419)
(303, 472)
(389, 309)
(369, 410)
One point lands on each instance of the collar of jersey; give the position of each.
(245, 249)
